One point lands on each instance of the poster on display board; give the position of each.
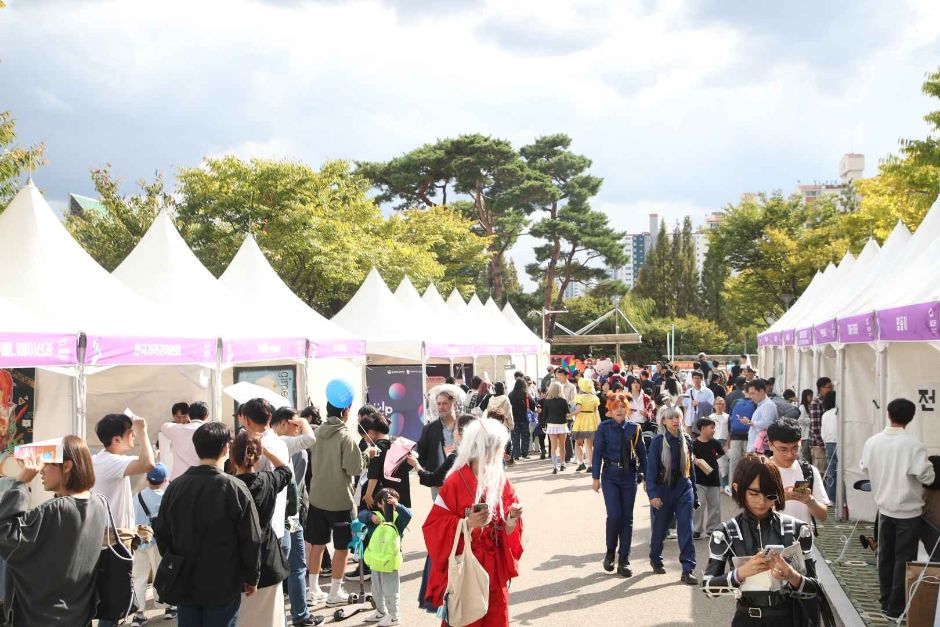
(280, 379)
(396, 392)
(17, 406)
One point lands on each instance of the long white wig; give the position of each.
(485, 441)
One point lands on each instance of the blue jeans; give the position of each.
(296, 573)
(208, 615)
(832, 470)
(677, 501)
(619, 489)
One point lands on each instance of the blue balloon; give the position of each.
(339, 393)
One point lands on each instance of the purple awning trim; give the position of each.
(130, 350)
(911, 323)
(337, 348)
(26, 350)
(788, 338)
(804, 337)
(263, 349)
(860, 328)
(826, 332)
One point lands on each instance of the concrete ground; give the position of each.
(561, 581)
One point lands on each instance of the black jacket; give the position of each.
(519, 408)
(264, 487)
(430, 445)
(435, 478)
(743, 536)
(208, 518)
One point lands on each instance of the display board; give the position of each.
(396, 392)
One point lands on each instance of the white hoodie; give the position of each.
(898, 467)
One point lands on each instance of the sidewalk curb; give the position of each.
(845, 613)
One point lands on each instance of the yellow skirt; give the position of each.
(585, 425)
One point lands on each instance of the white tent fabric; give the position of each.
(442, 338)
(250, 273)
(28, 340)
(375, 314)
(865, 292)
(48, 271)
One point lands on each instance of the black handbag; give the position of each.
(114, 580)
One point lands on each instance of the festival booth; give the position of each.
(536, 370)
(331, 351)
(50, 276)
(879, 315)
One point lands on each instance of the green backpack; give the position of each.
(383, 554)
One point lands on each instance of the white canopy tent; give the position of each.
(331, 350)
(51, 276)
(881, 320)
(544, 348)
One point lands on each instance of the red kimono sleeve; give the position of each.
(439, 529)
(513, 546)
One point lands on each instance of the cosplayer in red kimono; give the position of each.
(478, 477)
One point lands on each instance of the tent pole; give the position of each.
(81, 391)
(304, 377)
(493, 357)
(216, 382)
(451, 366)
(840, 471)
(424, 383)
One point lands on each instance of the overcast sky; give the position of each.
(682, 105)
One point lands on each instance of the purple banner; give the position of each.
(804, 337)
(18, 350)
(263, 349)
(337, 348)
(826, 332)
(449, 350)
(912, 323)
(855, 329)
(127, 351)
(788, 338)
(775, 337)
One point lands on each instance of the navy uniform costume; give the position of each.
(678, 496)
(744, 536)
(620, 452)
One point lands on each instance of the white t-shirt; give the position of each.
(181, 445)
(273, 442)
(111, 483)
(721, 426)
(790, 476)
(829, 426)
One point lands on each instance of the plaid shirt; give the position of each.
(815, 422)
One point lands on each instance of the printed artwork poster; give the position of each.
(396, 392)
(280, 379)
(17, 406)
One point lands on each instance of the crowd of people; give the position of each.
(238, 528)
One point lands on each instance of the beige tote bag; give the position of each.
(468, 585)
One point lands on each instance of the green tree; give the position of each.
(494, 188)
(110, 236)
(657, 276)
(926, 151)
(577, 237)
(14, 159)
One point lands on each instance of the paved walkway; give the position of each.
(561, 581)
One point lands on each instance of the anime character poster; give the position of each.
(17, 405)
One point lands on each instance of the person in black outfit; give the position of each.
(437, 436)
(555, 411)
(758, 490)
(715, 385)
(376, 428)
(208, 518)
(519, 401)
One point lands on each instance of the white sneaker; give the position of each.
(374, 618)
(340, 598)
(316, 597)
(388, 621)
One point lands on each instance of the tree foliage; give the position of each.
(15, 160)
(670, 277)
(579, 243)
(492, 184)
(110, 236)
(318, 228)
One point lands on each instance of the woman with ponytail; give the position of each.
(477, 489)
(670, 484)
(266, 606)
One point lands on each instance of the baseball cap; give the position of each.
(157, 474)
